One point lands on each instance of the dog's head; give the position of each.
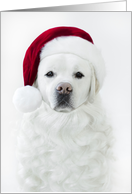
(66, 81)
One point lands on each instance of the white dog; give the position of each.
(65, 145)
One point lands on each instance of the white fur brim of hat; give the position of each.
(28, 98)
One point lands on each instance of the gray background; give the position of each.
(59, 5)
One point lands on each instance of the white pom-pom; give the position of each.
(27, 99)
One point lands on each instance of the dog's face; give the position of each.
(64, 81)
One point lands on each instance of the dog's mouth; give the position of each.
(63, 103)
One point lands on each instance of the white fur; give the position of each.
(66, 150)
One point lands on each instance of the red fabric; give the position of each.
(32, 56)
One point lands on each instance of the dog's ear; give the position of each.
(94, 86)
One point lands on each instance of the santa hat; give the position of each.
(53, 41)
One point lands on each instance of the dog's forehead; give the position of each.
(64, 61)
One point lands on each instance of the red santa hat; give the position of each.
(53, 41)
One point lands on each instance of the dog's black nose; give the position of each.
(64, 88)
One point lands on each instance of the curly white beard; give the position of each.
(65, 152)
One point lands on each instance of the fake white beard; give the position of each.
(65, 152)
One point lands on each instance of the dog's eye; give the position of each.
(50, 74)
(79, 75)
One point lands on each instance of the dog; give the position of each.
(66, 145)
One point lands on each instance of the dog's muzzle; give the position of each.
(63, 95)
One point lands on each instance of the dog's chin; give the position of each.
(63, 109)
